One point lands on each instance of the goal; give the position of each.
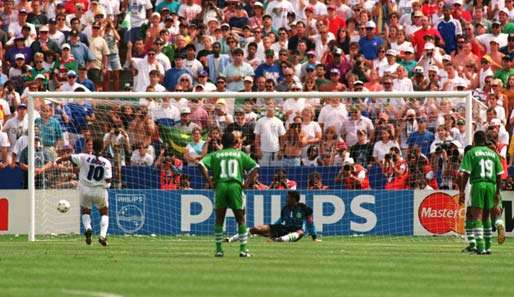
(158, 190)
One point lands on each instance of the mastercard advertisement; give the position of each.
(439, 213)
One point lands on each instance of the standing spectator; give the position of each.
(18, 125)
(185, 124)
(362, 151)
(112, 38)
(140, 11)
(384, 145)
(196, 149)
(44, 44)
(172, 75)
(421, 138)
(100, 51)
(236, 71)
(369, 44)
(268, 69)
(293, 141)
(332, 114)
(49, 129)
(355, 122)
(449, 29)
(268, 132)
(419, 37)
(141, 156)
(278, 11)
(143, 66)
(189, 10)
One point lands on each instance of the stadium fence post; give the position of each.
(469, 118)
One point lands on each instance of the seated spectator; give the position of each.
(422, 137)
(255, 184)
(314, 182)
(196, 149)
(185, 124)
(185, 183)
(141, 156)
(313, 158)
(384, 145)
(281, 182)
(353, 176)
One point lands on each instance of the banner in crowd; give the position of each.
(336, 212)
(439, 213)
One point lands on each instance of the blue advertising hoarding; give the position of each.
(336, 212)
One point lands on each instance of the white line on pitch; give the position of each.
(90, 293)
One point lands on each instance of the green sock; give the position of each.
(488, 233)
(243, 237)
(469, 233)
(218, 234)
(479, 235)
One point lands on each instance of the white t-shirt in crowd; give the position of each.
(269, 130)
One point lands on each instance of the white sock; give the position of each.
(234, 238)
(104, 224)
(290, 237)
(86, 221)
(498, 222)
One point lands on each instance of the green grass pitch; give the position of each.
(338, 266)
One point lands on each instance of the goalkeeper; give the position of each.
(289, 227)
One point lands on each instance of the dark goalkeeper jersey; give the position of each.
(296, 216)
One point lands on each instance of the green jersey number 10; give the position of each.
(486, 168)
(229, 168)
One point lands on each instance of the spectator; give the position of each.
(246, 128)
(362, 151)
(43, 162)
(355, 122)
(369, 44)
(170, 168)
(143, 66)
(50, 130)
(196, 149)
(422, 137)
(213, 142)
(314, 182)
(353, 176)
(236, 71)
(172, 75)
(268, 132)
(17, 125)
(141, 156)
(293, 141)
(281, 182)
(395, 169)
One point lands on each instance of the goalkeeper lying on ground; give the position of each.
(290, 225)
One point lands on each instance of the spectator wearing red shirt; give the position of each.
(353, 176)
(430, 8)
(170, 171)
(281, 182)
(418, 38)
(71, 5)
(460, 13)
(334, 21)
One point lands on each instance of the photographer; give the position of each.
(281, 182)
(353, 176)
(395, 169)
(315, 183)
(441, 137)
(255, 184)
(445, 161)
(170, 170)
(293, 141)
(213, 142)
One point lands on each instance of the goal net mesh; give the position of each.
(369, 165)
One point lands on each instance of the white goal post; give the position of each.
(467, 95)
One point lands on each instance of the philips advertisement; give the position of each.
(336, 212)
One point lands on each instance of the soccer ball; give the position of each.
(63, 206)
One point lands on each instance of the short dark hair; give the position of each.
(294, 194)
(228, 140)
(479, 138)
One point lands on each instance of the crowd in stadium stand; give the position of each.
(252, 46)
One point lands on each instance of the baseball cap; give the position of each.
(296, 86)
(65, 46)
(23, 10)
(258, 4)
(341, 146)
(496, 22)
(447, 58)
(185, 110)
(21, 105)
(391, 52)
(409, 49)
(43, 28)
(433, 68)
(429, 46)
(457, 2)
(371, 24)
(338, 51)
(335, 71)
(422, 119)
(309, 67)
(418, 70)
(504, 10)
(495, 122)
(411, 112)
(39, 76)
(311, 53)
(239, 110)
(71, 73)
(418, 13)
(202, 73)
(461, 122)
(19, 56)
(248, 78)
(358, 82)
(269, 53)
(331, 6)
(19, 36)
(225, 25)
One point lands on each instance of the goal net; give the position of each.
(367, 163)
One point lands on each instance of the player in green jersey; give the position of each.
(482, 167)
(228, 167)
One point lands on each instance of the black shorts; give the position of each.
(95, 75)
(279, 230)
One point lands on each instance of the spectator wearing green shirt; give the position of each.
(171, 5)
(505, 71)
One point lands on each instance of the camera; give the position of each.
(347, 167)
(388, 157)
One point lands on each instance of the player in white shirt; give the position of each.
(95, 174)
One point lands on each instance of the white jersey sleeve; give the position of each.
(93, 171)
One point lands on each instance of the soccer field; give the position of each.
(338, 266)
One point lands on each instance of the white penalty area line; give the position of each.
(90, 293)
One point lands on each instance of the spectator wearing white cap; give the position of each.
(143, 66)
(369, 44)
(501, 38)
(415, 23)
(430, 56)
(402, 82)
(278, 10)
(71, 83)
(391, 65)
